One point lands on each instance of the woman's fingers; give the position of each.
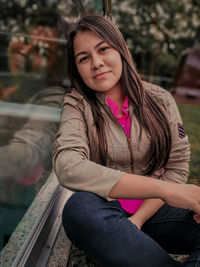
(194, 193)
(186, 196)
(196, 217)
(196, 199)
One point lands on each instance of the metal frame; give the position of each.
(107, 8)
(37, 248)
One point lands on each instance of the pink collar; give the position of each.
(115, 108)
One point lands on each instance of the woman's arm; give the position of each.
(72, 155)
(184, 196)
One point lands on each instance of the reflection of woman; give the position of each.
(35, 61)
(40, 53)
(26, 143)
(117, 134)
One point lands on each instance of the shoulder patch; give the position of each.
(181, 130)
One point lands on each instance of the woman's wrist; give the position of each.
(163, 189)
(136, 220)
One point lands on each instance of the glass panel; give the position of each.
(164, 39)
(33, 81)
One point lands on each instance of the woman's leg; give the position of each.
(175, 230)
(102, 230)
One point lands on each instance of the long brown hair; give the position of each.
(148, 113)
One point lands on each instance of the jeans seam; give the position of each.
(172, 220)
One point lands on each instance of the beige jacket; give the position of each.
(74, 158)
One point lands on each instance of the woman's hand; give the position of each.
(196, 217)
(186, 196)
(136, 220)
(146, 210)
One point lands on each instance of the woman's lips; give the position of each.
(100, 75)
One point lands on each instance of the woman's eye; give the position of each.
(83, 59)
(102, 49)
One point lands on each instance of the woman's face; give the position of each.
(37, 54)
(99, 64)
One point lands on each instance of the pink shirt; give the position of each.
(129, 205)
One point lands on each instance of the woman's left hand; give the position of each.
(196, 217)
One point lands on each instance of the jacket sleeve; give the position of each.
(178, 165)
(71, 156)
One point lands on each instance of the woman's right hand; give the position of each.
(185, 196)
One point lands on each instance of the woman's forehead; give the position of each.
(85, 40)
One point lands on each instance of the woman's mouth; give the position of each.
(100, 75)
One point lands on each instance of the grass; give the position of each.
(191, 118)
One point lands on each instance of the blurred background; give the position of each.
(164, 39)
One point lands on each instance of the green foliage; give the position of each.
(165, 64)
(161, 29)
(191, 119)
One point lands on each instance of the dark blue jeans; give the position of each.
(101, 229)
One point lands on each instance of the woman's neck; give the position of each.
(117, 97)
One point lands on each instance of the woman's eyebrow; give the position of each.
(84, 52)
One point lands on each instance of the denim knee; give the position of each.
(77, 211)
(79, 203)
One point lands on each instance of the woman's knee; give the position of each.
(87, 214)
(77, 203)
(79, 210)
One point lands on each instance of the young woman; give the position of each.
(121, 146)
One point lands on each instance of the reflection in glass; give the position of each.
(37, 68)
(33, 82)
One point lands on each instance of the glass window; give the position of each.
(164, 39)
(33, 82)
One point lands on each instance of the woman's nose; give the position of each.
(97, 61)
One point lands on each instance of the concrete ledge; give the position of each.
(22, 234)
(61, 250)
